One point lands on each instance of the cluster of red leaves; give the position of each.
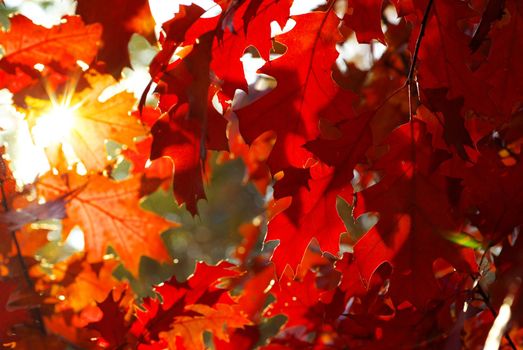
(423, 147)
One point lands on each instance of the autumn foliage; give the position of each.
(343, 177)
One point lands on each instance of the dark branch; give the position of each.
(418, 42)
(36, 314)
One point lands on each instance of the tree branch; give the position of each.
(36, 314)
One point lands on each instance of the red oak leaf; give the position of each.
(112, 326)
(448, 114)
(451, 69)
(178, 138)
(493, 12)
(157, 174)
(415, 219)
(364, 17)
(181, 133)
(492, 195)
(312, 212)
(133, 16)
(249, 25)
(305, 92)
(187, 305)
(502, 72)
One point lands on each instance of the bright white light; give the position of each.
(75, 239)
(54, 127)
(83, 66)
(26, 160)
(362, 55)
(499, 326)
(300, 7)
(39, 67)
(163, 11)
(45, 13)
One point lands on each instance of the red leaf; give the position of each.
(184, 304)
(501, 75)
(493, 12)
(492, 195)
(454, 132)
(364, 17)
(415, 219)
(178, 137)
(304, 94)
(112, 326)
(249, 25)
(312, 213)
(27, 44)
(133, 16)
(10, 318)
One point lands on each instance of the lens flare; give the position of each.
(54, 126)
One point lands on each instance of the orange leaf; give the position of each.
(217, 320)
(110, 215)
(28, 44)
(93, 122)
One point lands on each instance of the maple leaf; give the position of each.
(93, 122)
(81, 283)
(415, 219)
(27, 44)
(109, 214)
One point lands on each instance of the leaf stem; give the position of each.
(36, 314)
(418, 42)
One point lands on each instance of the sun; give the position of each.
(54, 126)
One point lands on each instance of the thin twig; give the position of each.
(36, 314)
(418, 42)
